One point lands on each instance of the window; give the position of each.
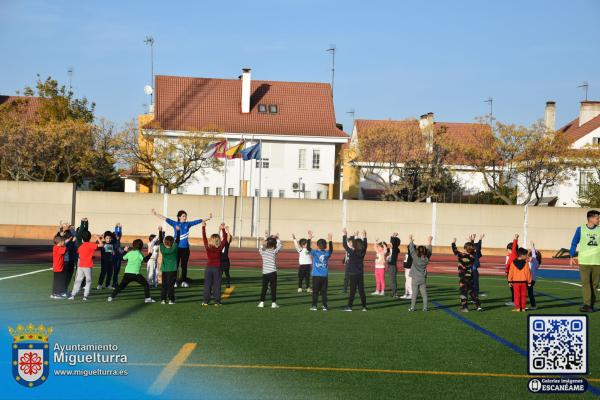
(585, 178)
(269, 192)
(262, 108)
(219, 191)
(230, 192)
(319, 195)
(180, 190)
(273, 108)
(596, 141)
(316, 163)
(206, 191)
(265, 163)
(281, 194)
(256, 193)
(301, 158)
(307, 194)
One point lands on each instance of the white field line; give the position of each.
(27, 273)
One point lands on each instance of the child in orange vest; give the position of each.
(519, 278)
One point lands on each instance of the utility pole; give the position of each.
(332, 50)
(150, 42)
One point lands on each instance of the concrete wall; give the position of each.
(33, 210)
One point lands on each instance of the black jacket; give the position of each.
(355, 263)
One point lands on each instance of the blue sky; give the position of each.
(395, 59)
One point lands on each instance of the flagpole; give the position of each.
(224, 187)
(241, 196)
(259, 194)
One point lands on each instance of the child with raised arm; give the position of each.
(356, 268)
(134, 257)
(320, 271)
(168, 267)
(477, 262)
(466, 260)
(519, 277)
(181, 229)
(268, 251)
(59, 251)
(381, 250)
(212, 273)
(118, 256)
(225, 262)
(394, 248)
(305, 261)
(418, 271)
(107, 254)
(535, 260)
(151, 258)
(511, 255)
(86, 263)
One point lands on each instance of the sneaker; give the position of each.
(509, 304)
(261, 304)
(586, 308)
(364, 309)
(533, 308)
(185, 284)
(84, 299)
(110, 287)
(171, 302)
(299, 290)
(349, 309)
(325, 309)
(109, 298)
(175, 284)
(515, 310)
(163, 302)
(274, 305)
(308, 290)
(149, 300)
(64, 296)
(479, 309)
(71, 298)
(375, 293)
(382, 293)
(204, 304)
(99, 287)
(395, 296)
(52, 296)
(425, 309)
(217, 304)
(411, 309)
(313, 308)
(464, 309)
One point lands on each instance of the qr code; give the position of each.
(558, 344)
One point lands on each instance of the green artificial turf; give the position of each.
(387, 337)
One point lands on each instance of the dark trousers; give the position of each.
(168, 285)
(58, 284)
(531, 295)
(346, 280)
(466, 290)
(117, 259)
(127, 279)
(475, 277)
(304, 275)
(392, 273)
(357, 281)
(320, 284)
(269, 280)
(183, 256)
(212, 283)
(225, 270)
(69, 270)
(106, 272)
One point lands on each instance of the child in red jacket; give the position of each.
(59, 289)
(519, 277)
(212, 273)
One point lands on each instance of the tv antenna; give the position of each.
(491, 101)
(585, 86)
(150, 42)
(331, 50)
(70, 73)
(352, 112)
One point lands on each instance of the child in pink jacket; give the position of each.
(381, 251)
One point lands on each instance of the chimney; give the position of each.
(246, 90)
(550, 116)
(426, 126)
(588, 111)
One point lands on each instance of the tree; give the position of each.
(106, 177)
(408, 162)
(169, 161)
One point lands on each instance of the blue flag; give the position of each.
(251, 153)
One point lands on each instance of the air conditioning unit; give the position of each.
(298, 187)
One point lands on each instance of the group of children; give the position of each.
(166, 255)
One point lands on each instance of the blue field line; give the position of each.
(557, 298)
(512, 346)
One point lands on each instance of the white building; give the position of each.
(294, 120)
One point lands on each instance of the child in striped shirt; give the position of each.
(268, 252)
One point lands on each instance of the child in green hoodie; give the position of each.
(168, 253)
(134, 257)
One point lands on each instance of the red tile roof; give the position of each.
(31, 104)
(304, 108)
(576, 132)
